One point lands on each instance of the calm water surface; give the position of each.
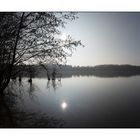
(82, 101)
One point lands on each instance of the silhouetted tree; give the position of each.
(47, 70)
(9, 35)
(31, 38)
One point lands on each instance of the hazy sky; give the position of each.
(109, 38)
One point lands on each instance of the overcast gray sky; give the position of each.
(109, 38)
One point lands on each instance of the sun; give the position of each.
(63, 37)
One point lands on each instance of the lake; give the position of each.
(87, 102)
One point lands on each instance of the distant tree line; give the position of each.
(69, 71)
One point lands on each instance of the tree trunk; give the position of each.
(13, 58)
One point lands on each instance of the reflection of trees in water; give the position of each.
(31, 91)
(32, 120)
(6, 119)
(55, 84)
(12, 116)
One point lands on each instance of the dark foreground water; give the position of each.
(76, 102)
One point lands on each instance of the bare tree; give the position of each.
(8, 43)
(33, 38)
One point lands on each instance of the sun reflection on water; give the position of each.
(64, 105)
